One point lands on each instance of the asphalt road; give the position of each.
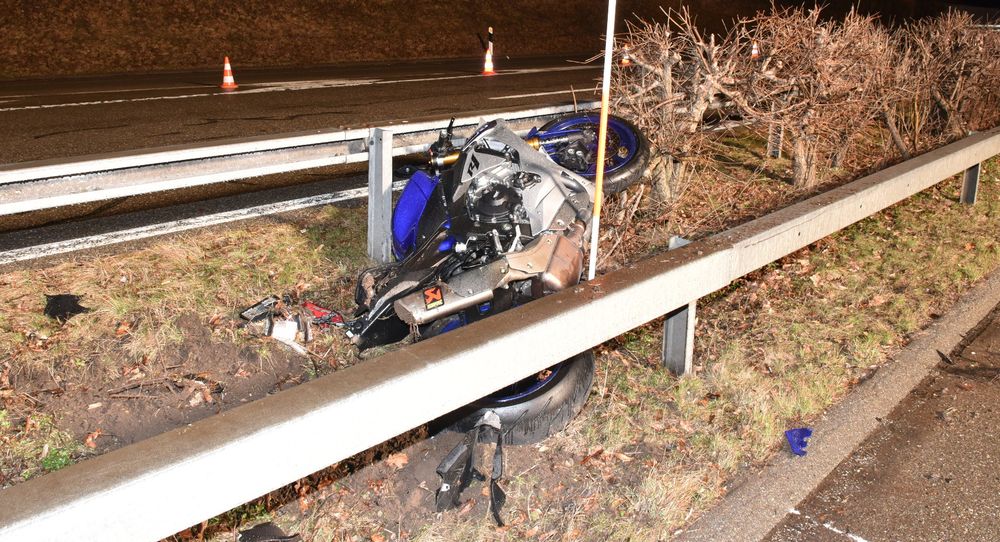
(45, 119)
(70, 117)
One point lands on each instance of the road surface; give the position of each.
(45, 119)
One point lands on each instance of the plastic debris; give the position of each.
(285, 332)
(458, 469)
(261, 310)
(291, 325)
(323, 317)
(797, 439)
(62, 307)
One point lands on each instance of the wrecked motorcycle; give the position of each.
(490, 226)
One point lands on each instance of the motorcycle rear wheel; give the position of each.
(627, 149)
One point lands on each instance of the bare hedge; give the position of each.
(824, 83)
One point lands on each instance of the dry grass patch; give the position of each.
(161, 311)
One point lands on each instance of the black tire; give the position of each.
(544, 412)
(626, 174)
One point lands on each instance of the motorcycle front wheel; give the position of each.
(627, 149)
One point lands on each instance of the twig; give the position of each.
(134, 385)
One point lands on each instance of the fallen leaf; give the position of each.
(467, 507)
(397, 460)
(970, 246)
(378, 538)
(592, 455)
(91, 440)
(622, 457)
(123, 329)
(966, 385)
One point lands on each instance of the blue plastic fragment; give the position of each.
(797, 439)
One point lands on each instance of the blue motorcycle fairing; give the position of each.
(410, 207)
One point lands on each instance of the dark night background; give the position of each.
(65, 37)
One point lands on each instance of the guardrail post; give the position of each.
(678, 330)
(678, 339)
(380, 195)
(774, 137)
(970, 188)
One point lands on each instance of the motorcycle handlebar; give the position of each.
(536, 142)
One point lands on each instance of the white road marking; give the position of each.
(829, 526)
(153, 230)
(107, 91)
(515, 96)
(281, 86)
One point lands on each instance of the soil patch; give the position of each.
(195, 379)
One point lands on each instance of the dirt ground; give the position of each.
(930, 472)
(193, 380)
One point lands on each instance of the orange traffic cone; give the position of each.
(754, 52)
(626, 57)
(488, 65)
(228, 82)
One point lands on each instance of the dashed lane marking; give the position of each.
(282, 86)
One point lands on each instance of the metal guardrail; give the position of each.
(45, 184)
(142, 492)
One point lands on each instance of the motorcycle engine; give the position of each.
(495, 197)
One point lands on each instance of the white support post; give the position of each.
(380, 195)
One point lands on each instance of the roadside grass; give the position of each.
(34, 447)
(649, 452)
(135, 299)
(778, 347)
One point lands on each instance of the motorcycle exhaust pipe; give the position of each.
(461, 292)
(553, 261)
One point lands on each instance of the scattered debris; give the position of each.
(286, 332)
(262, 309)
(323, 317)
(458, 469)
(798, 439)
(277, 318)
(62, 307)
